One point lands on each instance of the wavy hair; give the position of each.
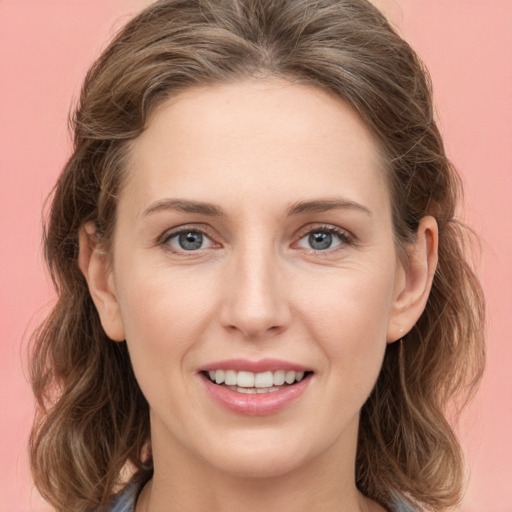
(92, 418)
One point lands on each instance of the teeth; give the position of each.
(248, 391)
(230, 378)
(245, 379)
(252, 391)
(289, 377)
(264, 380)
(253, 382)
(279, 377)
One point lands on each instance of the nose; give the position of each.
(255, 302)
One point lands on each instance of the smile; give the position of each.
(255, 388)
(251, 383)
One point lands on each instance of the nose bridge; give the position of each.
(256, 299)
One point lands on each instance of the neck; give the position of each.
(187, 484)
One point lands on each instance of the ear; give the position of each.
(95, 267)
(414, 280)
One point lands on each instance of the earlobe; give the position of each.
(415, 282)
(94, 264)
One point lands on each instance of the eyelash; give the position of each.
(167, 236)
(345, 238)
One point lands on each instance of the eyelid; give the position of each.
(205, 230)
(345, 236)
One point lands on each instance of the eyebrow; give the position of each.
(184, 205)
(324, 205)
(212, 210)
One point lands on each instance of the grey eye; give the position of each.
(320, 240)
(189, 240)
(323, 239)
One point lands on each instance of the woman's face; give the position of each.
(254, 240)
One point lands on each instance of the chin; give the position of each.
(260, 457)
(257, 467)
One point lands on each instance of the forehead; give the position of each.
(268, 138)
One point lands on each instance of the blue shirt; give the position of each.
(125, 501)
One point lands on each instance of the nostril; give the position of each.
(253, 331)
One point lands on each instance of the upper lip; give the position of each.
(263, 365)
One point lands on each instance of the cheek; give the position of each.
(349, 317)
(165, 319)
(165, 315)
(156, 299)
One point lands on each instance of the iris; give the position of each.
(320, 240)
(190, 240)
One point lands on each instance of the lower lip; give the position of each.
(256, 404)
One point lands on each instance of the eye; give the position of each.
(188, 240)
(322, 239)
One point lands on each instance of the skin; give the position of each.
(257, 289)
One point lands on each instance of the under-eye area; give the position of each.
(252, 383)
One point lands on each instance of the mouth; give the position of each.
(255, 388)
(256, 383)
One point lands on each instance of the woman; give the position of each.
(264, 300)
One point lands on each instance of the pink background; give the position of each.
(45, 49)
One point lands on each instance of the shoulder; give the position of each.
(399, 504)
(125, 501)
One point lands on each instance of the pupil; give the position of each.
(191, 240)
(320, 240)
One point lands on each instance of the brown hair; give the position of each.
(92, 418)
